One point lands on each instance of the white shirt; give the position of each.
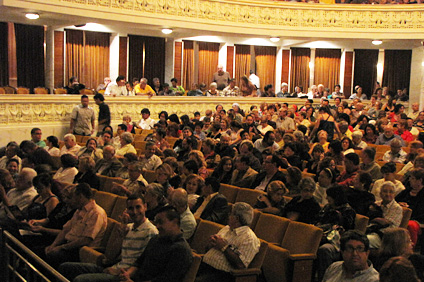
(379, 183)
(66, 175)
(73, 151)
(54, 152)
(255, 80)
(114, 89)
(146, 123)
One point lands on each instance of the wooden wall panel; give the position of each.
(178, 60)
(59, 59)
(13, 64)
(285, 67)
(347, 83)
(230, 60)
(123, 48)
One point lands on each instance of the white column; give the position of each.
(380, 66)
(114, 57)
(416, 84)
(222, 55)
(311, 69)
(342, 68)
(169, 60)
(278, 69)
(49, 70)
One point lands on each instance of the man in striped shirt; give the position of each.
(137, 235)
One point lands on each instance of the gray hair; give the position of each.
(307, 182)
(388, 183)
(180, 198)
(357, 133)
(127, 137)
(28, 174)
(244, 213)
(156, 190)
(143, 80)
(70, 135)
(299, 135)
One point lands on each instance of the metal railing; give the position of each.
(19, 263)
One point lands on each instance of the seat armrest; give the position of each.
(245, 272)
(302, 257)
(90, 255)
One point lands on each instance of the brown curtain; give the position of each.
(265, 59)
(30, 55)
(242, 62)
(300, 68)
(397, 69)
(4, 64)
(96, 62)
(327, 67)
(188, 64)
(208, 61)
(74, 54)
(365, 71)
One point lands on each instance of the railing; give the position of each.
(18, 263)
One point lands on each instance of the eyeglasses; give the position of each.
(350, 249)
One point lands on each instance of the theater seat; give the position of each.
(200, 238)
(119, 207)
(229, 191)
(61, 91)
(149, 175)
(41, 90)
(249, 196)
(194, 267)
(271, 228)
(361, 223)
(106, 201)
(406, 216)
(252, 272)
(22, 90)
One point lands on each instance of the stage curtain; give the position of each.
(265, 59)
(74, 54)
(397, 69)
(299, 76)
(188, 64)
(327, 67)
(208, 61)
(365, 70)
(4, 63)
(242, 62)
(96, 62)
(30, 55)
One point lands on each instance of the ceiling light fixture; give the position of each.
(377, 42)
(167, 31)
(32, 16)
(274, 39)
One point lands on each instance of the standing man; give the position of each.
(221, 77)
(82, 118)
(36, 137)
(104, 113)
(117, 88)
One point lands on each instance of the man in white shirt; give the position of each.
(150, 161)
(146, 122)
(179, 200)
(71, 146)
(117, 88)
(254, 79)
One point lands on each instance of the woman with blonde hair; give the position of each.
(193, 184)
(273, 202)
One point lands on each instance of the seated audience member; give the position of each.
(36, 137)
(388, 170)
(267, 142)
(395, 154)
(214, 131)
(243, 175)
(285, 122)
(166, 91)
(233, 247)
(358, 144)
(246, 148)
(398, 269)
(359, 197)
(326, 178)
(68, 170)
(35, 154)
(117, 88)
(198, 157)
(412, 157)
(143, 88)
(273, 202)
(208, 149)
(270, 173)
(135, 237)
(211, 205)
(188, 143)
(12, 150)
(317, 156)
(355, 250)
(86, 173)
(103, 86)
(74, 86)
(337, 216)
(71, 146)
(167, 256)
(109, 165)
(347, 146)
(195, 90)
(387, 137)
(179, 200)
(322, 140)
(392, 215)
(335, 152)
(293, 177)
(150, 160)
(52, 146)
(193, 184)
(291, 156)
(134, 185)
(368, 163)
(177, 89)
(164, 174)
(403, 132)
(370, 134)
(303, 208)
(45, 202)
(351, 169)
(231, 89)
(146, 122)
(7, 179)
(155, 197)
(263, 126)
(12, 166)
(107, 139)
(160, 141)
(21, 196)
(414, 199)
(90, 150)
(126, 146)
(224, 171)
(223, 148)
(123, 171)
(86, 228)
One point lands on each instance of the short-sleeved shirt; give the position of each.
(144, 91)
(337, 273)
(391, 212)
(83, 118)
(126, 149)
(90, 221)
(151, 163)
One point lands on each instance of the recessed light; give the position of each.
(377, 42)
(167, 31)
(274, 39)
(32, 16)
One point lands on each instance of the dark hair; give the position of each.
(165, 113)
(84, 96)
(72, 79)
(53, 139)
(107, 132)
(418, 173)
(330, 173)
(338, 194)
(372, 128)
(370, 152)
(318, 148)
(119, 78)
(174, 118)
(295, 174)
(170, 213)
(267, 134)
(302, 128)
(12, 160)
(336, 146)
(134, 197)
(325, 109)
(398, 107)
(354, 235)
(213, 182)
(34, 130)
(99, 96)
(145, 111)
(192, 166)
(366, 179)
(174, 80)
(85, 190)
(292, 146)
(185, 119)
(267, 87)
(44, 179)
(349, 140)
(192, 141)
(388, 168)
(243, 159)
(131, 157)
(123, 126)
(338, 98)
(89, 139)
(398, 268)
(345, 117)
(353, 157)
(108, 128)
(68, 160)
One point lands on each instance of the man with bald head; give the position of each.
(109, 165)
(221, 77)
(387, 136)
(179, 200)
